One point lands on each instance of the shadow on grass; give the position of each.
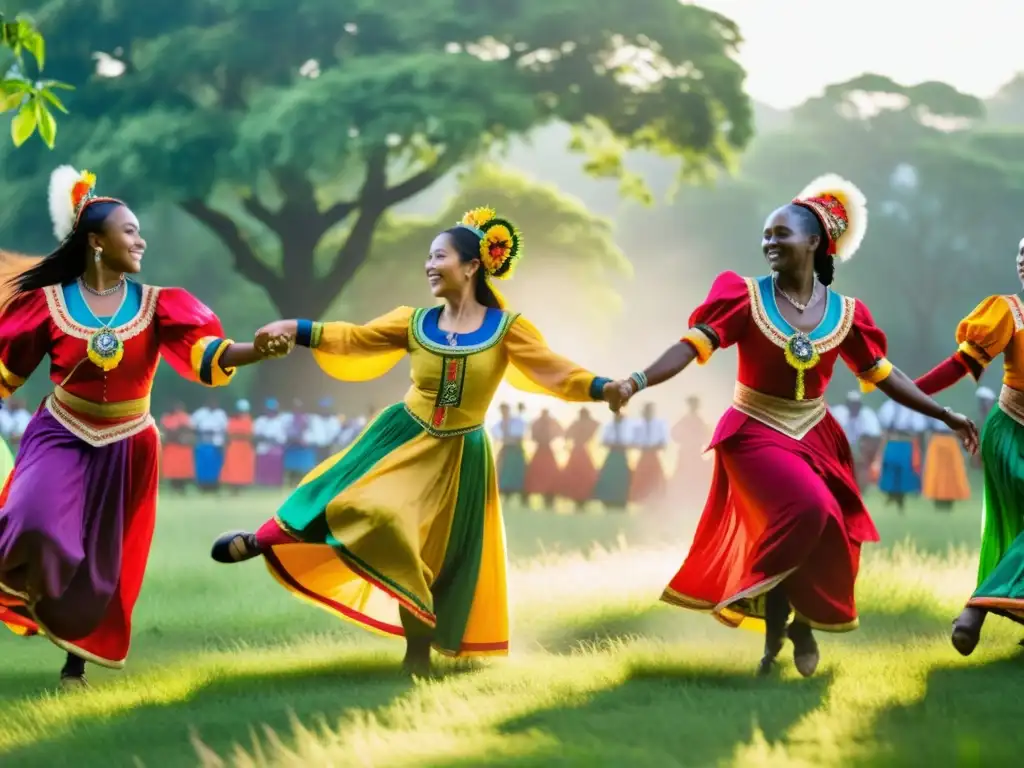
(969, 716)
(222, 712)
(661, 717)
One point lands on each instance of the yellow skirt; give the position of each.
(945, 474)
(402, 518)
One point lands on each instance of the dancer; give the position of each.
(650, 435)
(994, 328)
(543, 472)
(944, 476)
(271, 434)
(239, 455)
(77, 514)
(510, 431)
(402, 532)
(899, 458)
(616, 477)
(210, 424)
(177, 464)
(784, 521)
(579, 475)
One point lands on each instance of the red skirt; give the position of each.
(780, 511)
(649, 481)
(543, 475)
(579, 475)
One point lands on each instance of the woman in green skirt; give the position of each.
(994, 328)
(612, 488)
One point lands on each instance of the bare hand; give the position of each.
(612, 394)
(965, 430)
(276, 339)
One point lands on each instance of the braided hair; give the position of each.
(824, 263)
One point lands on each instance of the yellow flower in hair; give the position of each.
(478, 217)
(495, 247)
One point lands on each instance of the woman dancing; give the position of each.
(402, 532)
(995, 327)
(784, 522)
(77, 513)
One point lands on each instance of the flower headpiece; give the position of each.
(71, 192)
(500, 241)
(842, 210)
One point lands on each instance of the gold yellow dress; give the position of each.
(409, 514)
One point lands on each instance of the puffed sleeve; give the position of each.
(533, 367)
(986, 332)
(191, 338)
(864, 348)
(352, 352)
(722, 319)
(24, 339)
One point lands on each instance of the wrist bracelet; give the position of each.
(639, 378)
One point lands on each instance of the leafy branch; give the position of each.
(32, 100)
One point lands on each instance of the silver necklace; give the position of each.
(799, 307)
(106, 292)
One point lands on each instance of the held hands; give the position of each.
(276, 339)
(618, 393)
(965, 429)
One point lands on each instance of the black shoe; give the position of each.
(805, 648)
(772, 649)
(235, 547)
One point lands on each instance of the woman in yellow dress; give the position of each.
(402, 531)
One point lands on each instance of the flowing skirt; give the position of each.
(76, 523)
(1002, 449)
(239, 464)
(780, 511)
(511, 468)
(177, 462)
(945, 471)
(612, 487)
(899, 473)
(209, 463)
(270, 467)
(402, 518)
(649, 483)
(543, 473)
(578, 476)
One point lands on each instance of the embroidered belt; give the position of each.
(93, 434)
(119, 410)
(433, 431)
(793, 418)
(1011, 402)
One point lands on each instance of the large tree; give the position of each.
(289, 128)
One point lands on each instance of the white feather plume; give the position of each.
(62, 210)
(853, 201)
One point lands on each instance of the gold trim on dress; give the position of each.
(764, 324)
(434, 432)
(119, 410)
(793, 418)
(97, 436)
(1011, 402)
(702, 344)
(1017, 310)
(70, 327)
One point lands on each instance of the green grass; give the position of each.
(227, 669)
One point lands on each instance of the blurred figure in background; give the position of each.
(691, 434)
(615, 477)
(579, 475)
(177, 460)
(270, 433)
(299, 452)
(542, 474)
(863, 431)
(899, 474)
(944, 477)
(16, 422)
(509, 430)
(650, 435)
(210, 424)
(239, 456)
(324, 429)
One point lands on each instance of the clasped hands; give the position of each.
(276, 339)
(618, 393)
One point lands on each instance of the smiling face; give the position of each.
(447, 273)
(120, 242)
(788, 242)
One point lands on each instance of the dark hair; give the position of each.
(68, 262)
(824, 264)
(467, 245)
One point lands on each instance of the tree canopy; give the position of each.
(290, 128)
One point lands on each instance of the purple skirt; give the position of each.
(62, 525)
(270, 468)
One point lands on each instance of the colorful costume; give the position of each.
(510, 432)
(649, 483)
(177, 463)
(784, 507)
(579, 475)
(996, 327)
(270, 432)
(901, 457)
(615, 478)
(210, 425)
(543, 473)
(944, 478)
(77, 514)
(408, 515)
(239, 456)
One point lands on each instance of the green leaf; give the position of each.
(51, 84)
(24, 124)
(51, 97)
(47, 124)
(11, 101)
(34, 43)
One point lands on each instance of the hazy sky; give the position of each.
(790, 52)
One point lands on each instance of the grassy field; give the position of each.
(229, 670)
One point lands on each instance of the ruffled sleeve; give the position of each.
(25, 335)
(191, 338)
(722, 319)
(533, 367)
(351, 352)
(987, 331)
(865, 347)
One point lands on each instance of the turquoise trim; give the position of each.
(829, 321)
(80, 313)
(430, 337)
(597, 387)
(206, 365)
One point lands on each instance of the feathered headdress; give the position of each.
(70, 190)
(500, 241)
(842, 210)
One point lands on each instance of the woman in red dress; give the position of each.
(784, 522)
(77, 513)
(543, 472)
(579, 475)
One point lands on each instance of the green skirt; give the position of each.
(1001, 564)
(613, 483)
(511, 468)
